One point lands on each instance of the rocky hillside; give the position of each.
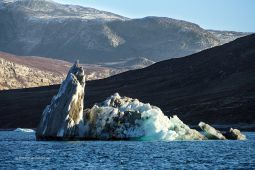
(23, 72)
(48, 9)
(227, 36)
(216, 86)
(13, 76)
(48, 29)
(130, 63)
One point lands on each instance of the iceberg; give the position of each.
(126, 118)
(63, 118)
(235, 134)
(211, 132)
(116, 118)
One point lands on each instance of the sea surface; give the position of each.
(19, 150)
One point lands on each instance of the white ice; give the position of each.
(126, 118)
(24, 130)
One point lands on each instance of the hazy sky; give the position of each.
(236, 15)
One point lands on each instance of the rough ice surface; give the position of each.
(63, 117)
(126, 118)
(235, 134)
(120, 118)
(211, 132)
(24, 130)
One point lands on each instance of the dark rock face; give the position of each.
(63, 118)
(216, 86)
(235, 134)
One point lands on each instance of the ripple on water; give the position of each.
(20, 150)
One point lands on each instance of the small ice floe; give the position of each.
(24, 130)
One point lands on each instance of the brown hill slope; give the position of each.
(31, 71)
(216, 85)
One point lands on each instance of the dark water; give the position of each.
(20, 151)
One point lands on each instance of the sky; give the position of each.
(233, 15)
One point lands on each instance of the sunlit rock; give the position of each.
(211, 132)
(63, 118)
(235, 134)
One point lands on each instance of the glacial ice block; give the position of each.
(235, 134)
(211, 132)
(117, 117)
(126, 118)
(63, 117)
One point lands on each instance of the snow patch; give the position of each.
(24, 130)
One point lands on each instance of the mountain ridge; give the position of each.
(215, 86)
(53, 71)
(70, 32)
(48, 8)
(32, 71)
